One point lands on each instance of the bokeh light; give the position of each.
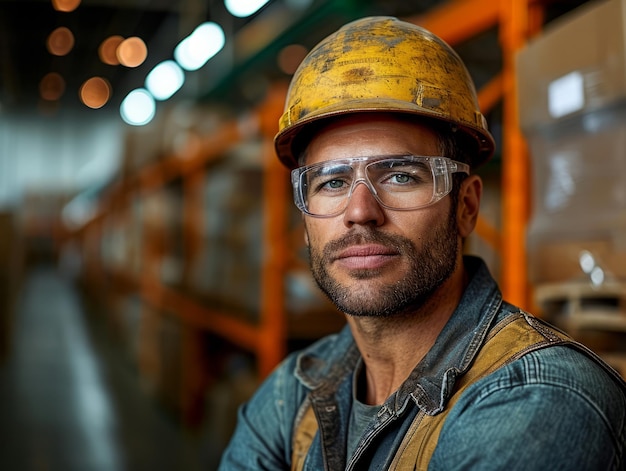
(289, 57)
(243, 8)
(203, 43)
(132, 52)
(138, 108)
(95, 92)
(65, 5)
(60, 41)
(108, 50)
(165, 80)
(51, 86)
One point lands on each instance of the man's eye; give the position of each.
(400, 178)
(327, 185)
(334, 184)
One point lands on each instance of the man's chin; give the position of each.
(384, 276)
(366, 281)
(362, 275)
(364, 306)
(359, 297)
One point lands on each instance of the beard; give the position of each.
(429, 267)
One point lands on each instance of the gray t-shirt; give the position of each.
(361, 414)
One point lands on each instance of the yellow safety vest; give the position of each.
(507, 341)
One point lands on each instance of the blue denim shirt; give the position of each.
(557, 408)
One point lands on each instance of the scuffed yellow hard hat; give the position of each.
(382, 64)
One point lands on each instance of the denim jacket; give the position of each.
(555, 408)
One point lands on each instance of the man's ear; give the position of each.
(469, 204)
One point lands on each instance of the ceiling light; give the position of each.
(95, 92)
(108, 50)
(165, 80)
(65, 5)
(52, 86)
(290, 57)
(61, 41)
(138, 108)
(203, 43)
(132, 52)
(243, 8)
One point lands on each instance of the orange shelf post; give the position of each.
(458, 20)
(276, 197)
(515, 165)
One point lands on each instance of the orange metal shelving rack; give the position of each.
(454, 21)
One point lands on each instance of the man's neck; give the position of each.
(392, 347)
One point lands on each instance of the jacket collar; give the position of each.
(326, 363)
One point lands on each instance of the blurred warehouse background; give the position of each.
(152, 269)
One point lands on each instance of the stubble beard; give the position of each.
(429, 267)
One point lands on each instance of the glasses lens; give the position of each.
(326, 187)
(400, 183)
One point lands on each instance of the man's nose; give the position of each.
(363, 208)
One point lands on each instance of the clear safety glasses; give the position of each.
(401, 183)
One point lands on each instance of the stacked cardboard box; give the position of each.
(572, 109)
(572, 104)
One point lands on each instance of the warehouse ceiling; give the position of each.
(26, 24)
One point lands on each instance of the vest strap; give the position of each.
(509, 340)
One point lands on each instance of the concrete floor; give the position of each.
(70, 402)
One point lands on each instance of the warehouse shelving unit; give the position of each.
(266, 338)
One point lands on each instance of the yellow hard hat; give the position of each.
(382, 64)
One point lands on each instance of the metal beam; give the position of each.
(457, 20)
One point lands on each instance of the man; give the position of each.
(433, 370)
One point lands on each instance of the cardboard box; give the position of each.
(572, 105)
(576, 65)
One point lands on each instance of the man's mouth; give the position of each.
(365, 257)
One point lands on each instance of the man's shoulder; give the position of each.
(564, 373)
(554, 407)
(568, 363)
(551, 356)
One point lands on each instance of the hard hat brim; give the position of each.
(290, 142)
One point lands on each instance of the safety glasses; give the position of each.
(402, 183)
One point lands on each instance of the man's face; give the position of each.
(369, 260)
